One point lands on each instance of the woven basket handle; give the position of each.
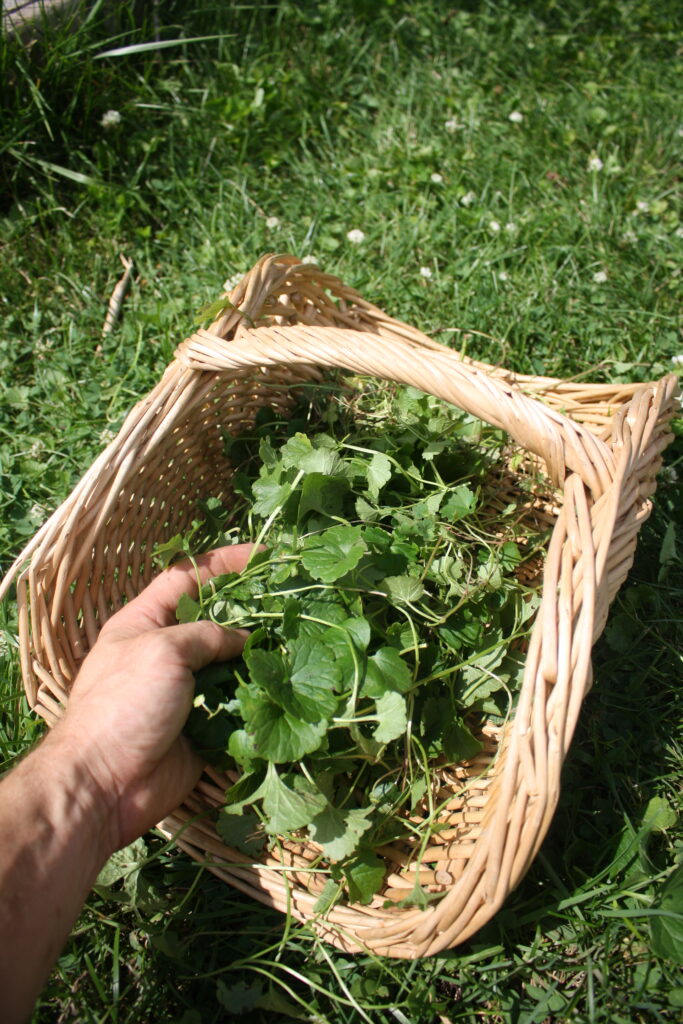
(562, 443)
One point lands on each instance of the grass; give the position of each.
(333, 116)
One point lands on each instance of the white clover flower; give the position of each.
(426, 272)
(642, 206)
(436, 178)
(679, 232)
(356, 236)
(232, 281)
(36, 449)
(110, 119)
(595, 163)
(309, 259)
(107, 436)
(629, 237)
(680, 133)
(467, 199)
(272, 223)
(4, 645)
(37, 511)
(516, 117)
(452, 125)
(494, 227)
(510, 227)
(668, 474)
(503, 275)
(677, 360)
(600, 277)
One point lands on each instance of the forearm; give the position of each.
(55, 835)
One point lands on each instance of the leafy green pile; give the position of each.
(386, 616)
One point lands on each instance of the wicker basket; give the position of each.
(288, 323)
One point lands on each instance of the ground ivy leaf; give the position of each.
(170, 549)
(247, 789)
(461, 502)
(393, 717)
(458, 742)
(241, 748)
(386, 670)
(242, 832)
(123, 863)
(403, 589)
(314, 679)
(295, 450)
(328, 612)
(266, 668)
(659, 815)
(289, 809)
(280, 737)
(364, 876)
(338, 831)
(378, 474)
(365, 511)
(334, 553)
(291, 615)
(269, 494)
(323, 494)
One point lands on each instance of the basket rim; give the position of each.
(606, 498)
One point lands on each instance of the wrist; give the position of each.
(71, 799)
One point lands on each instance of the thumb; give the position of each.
(196, 644)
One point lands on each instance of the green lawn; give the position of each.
(510, 176)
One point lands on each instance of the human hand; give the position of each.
(134, 692)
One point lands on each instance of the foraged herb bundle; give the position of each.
(385, 616)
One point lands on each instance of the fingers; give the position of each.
(199, 643)
(156, 606)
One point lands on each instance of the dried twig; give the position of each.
(117, 297)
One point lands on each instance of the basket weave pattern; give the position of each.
(287, 325)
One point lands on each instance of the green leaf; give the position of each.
(403, 589)
(170, 549)
(299, 453)
(338, 832)
(295, 450)
(314, 679)
(289, 809)
(458, 742)
(188, 610)
(461, 502)
(334, 553)
(667, 926)
(123, 864)
(393, 718)
(291, 616)
(364, 876)
(266, 668)
(269, 495)
(379, 473)
(323, 494)
(280, 737)
(385, 671)
(242, 832)
(659, 816)
(246, 790)
(238, 999)
(241, 748)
